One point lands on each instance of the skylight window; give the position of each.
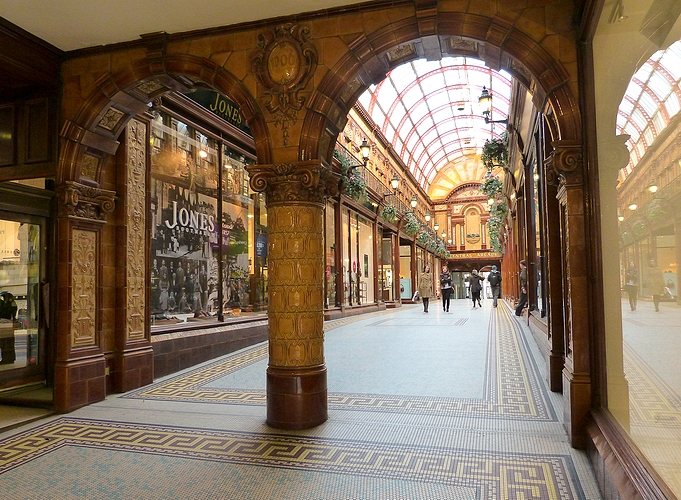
(426, 100)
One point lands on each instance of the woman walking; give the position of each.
(426, 287)
(476, 287)
(655, 283)
(446, 287)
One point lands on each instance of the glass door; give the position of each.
(21, 349)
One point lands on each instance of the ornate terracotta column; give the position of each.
(80, 369)
(296, 373)
(566, 161)
(134, 357)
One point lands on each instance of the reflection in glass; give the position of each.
(19, 294)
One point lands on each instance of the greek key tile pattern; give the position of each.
(651, 402)
(511, 390)
(495, 476)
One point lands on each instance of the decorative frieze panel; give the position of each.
(83, 288)
(84, 202)
(136, 223)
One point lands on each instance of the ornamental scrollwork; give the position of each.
(284, 63)
(79, 201)
(565, 163)
(308, 181)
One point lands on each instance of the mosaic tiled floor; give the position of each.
(171, 440)
(511, 391)
(509, 476)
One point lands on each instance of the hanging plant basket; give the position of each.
(492, 186)
(639, 228)
(656, 211)
(424, 238)
(495, 152)
(389, 213)
(411, 224)
(355, 185)
(497, 215)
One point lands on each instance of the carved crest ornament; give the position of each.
(283, 63)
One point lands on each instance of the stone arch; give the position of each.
(91, 136)
(492, 38)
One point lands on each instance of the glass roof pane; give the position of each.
(424, 126)
(411, 97)
(638, 119)
(418, 150)
(397, 114)
(660, 85)
(627, 106)
(402, 76)
(648, 136)
(671, 61)
(422, 66)
(633, 90)
(364, 99)
(644, 72)
(387, 99)
(429, 137)
(433, 83)
(442, 115)
(659, 122)
(411, 142)
(377, 115)
(389, 133)
(672, 105)
(647, 103)
(419, 111)
(438, 100)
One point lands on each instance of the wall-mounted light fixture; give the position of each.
(490, 201)
(436, 226)
(620, 217)
(444, 234)
(203, 154)
(652, 187)
(427, 216)
(633, 206)
(413, 202)
(394, 183)
(365, 150)
(485, 101)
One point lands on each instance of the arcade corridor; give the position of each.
(437, 406)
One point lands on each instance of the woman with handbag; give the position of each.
(426, 286)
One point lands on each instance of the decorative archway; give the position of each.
(102, 281)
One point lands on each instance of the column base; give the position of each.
(296, 398)
(79, 383)
(133, 369)
(576, 406)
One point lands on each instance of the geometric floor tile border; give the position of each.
(651, 401)
(496, 476)
(512, 391)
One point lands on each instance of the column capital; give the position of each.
(306, 181)
(81, 202)
(565, 163)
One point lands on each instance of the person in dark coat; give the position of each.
(494, 279)
(445, 287)
(523, 289)
(476, 287)
(631, 285)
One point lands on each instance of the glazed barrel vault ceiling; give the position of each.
(429, 112)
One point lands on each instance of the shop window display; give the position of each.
(189, 236)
